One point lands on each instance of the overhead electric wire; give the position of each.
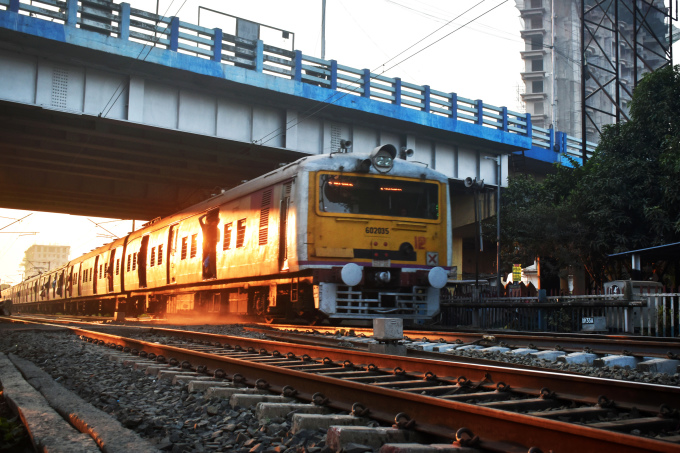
(326, 102)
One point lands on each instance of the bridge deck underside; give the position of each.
(81, 165)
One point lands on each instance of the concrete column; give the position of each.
(124, 23)
(259, 55)
(136, 100)
(334, 75)
(367, 83)
(297, 70)
(71, 12)
(217, 45)
(480, 112)
(292, 133)
(397, 91)
(454, 106)
(426, 100)
(174, 34)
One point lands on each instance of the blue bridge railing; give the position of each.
(122, 21)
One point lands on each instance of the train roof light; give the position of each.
(382, 158)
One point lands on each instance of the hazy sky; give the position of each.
(479, 60)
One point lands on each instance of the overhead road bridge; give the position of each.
(106, 110)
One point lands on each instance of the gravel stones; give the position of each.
(613, 372)
(167, 415)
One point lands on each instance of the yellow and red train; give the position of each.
(337, 236)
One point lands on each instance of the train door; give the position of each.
(173, 232)
(69, 283)
(109, 269)
(283, 226)
(79, 277)
(96, 275)
(141, 261)
(60, 285)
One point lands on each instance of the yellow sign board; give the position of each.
(516, 273)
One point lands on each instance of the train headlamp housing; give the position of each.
(382, 158)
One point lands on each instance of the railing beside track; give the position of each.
(647, 314)
(119, 20)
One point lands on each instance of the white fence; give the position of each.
(649, 314)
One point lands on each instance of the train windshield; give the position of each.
(378, 196)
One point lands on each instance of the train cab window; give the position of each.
(160, 254)
(240, 233)
(152, 263)
(226, 243)
(194, 245)
(184, 248)
(378, 196)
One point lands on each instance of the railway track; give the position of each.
(647, 354)
(504, 409)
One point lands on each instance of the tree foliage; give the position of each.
(625, 197)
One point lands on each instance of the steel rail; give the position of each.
(432, 415)
(598, 344)
(429, 413)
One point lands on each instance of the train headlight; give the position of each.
(351, 274)
(437, 277)
(382, 158)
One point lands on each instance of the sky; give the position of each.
(475, 54)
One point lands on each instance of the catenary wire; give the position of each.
(326, 102)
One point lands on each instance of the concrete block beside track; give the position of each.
(201, 386)
(48, 430)
(169, 373)
(469, 347)
(668, 366)
(228, 392)
(266, 411)
(617, 360)
(580, 358)
(523, 351)
(338, 436)
(105, 430)
(549, 356)
(247, 400)
(314, 422)
(152, 370)
(494, 349)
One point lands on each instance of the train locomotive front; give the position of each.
(377, 239)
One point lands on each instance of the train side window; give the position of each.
(184, 248)
(160, 254)
(194, 245)
(129, 263)
(226, 244)
(240, 233)
(153, 257)
(134, 261)
(117, 266)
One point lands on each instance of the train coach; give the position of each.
(336, 236)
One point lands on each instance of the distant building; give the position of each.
(552, 55)
(42, 258)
